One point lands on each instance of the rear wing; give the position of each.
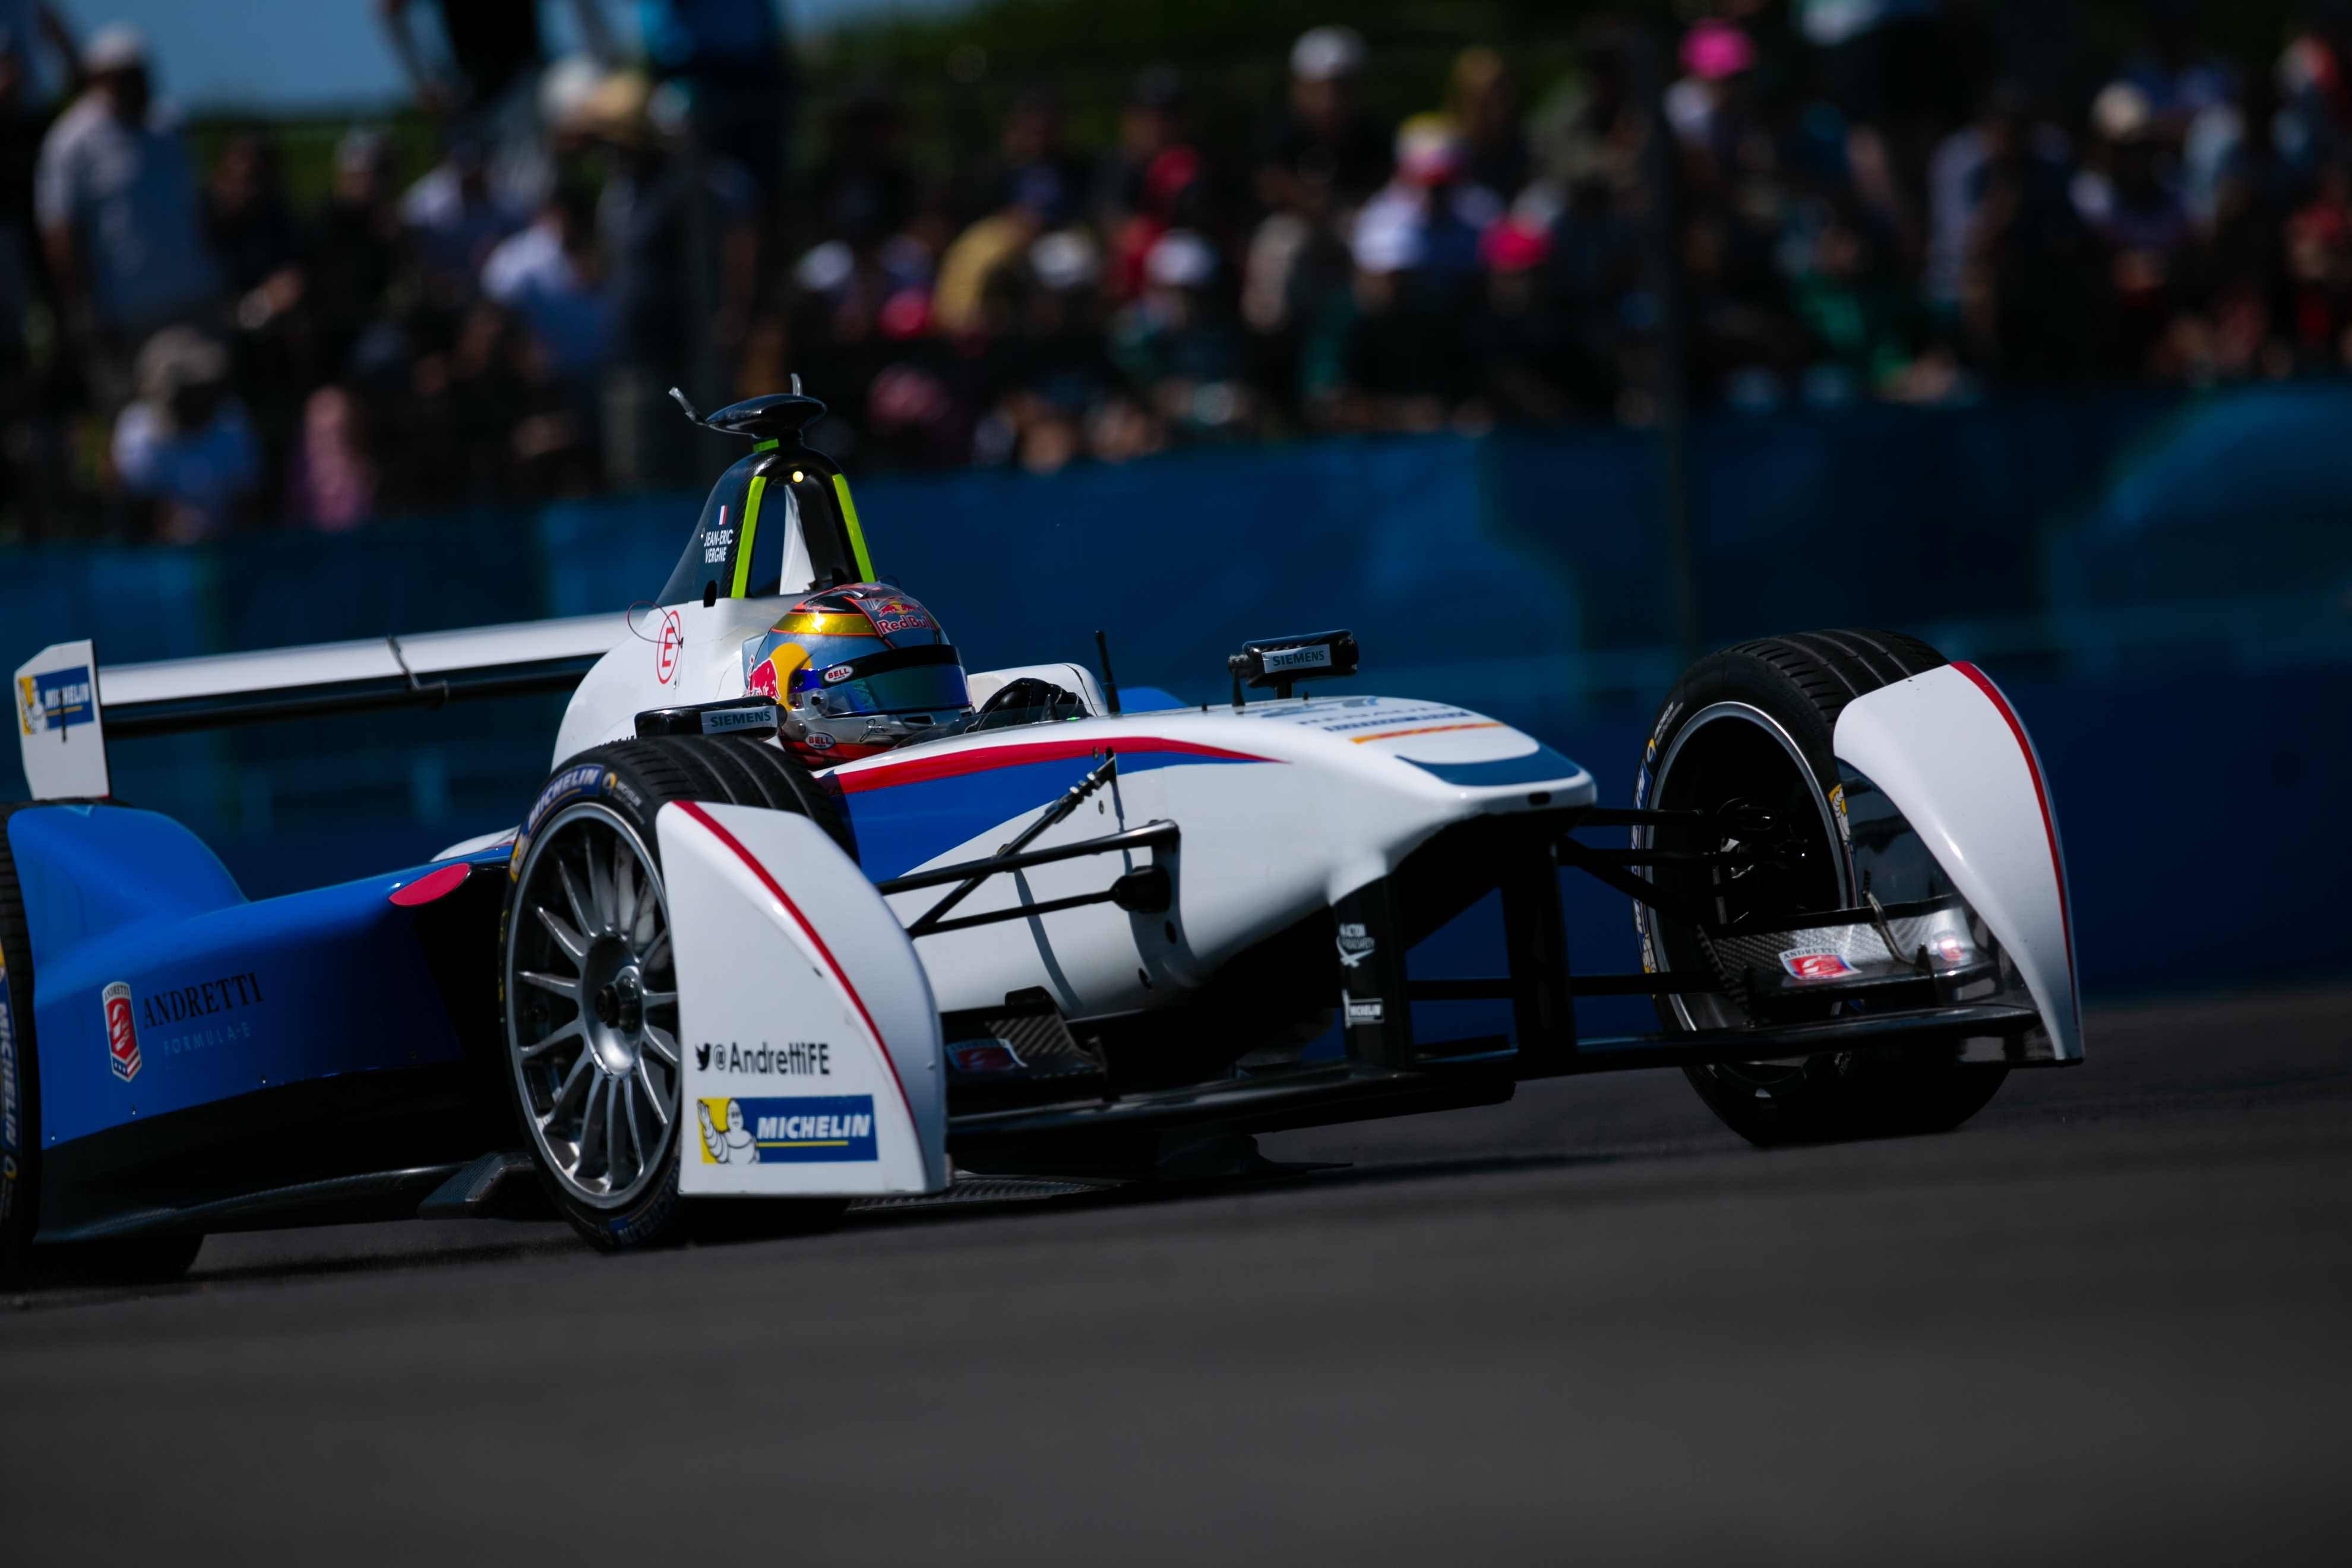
(68, 705)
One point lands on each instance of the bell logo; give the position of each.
(121, 1032)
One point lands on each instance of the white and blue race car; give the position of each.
(707, 986)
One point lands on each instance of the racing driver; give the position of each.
(858, 669)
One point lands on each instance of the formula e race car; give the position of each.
(807, 914)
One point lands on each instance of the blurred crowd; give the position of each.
(1841, 200)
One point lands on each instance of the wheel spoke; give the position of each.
(581, 908)
(567, 989)
(659, 999)
(612, 1131)
(600, 888)
(625, 886)
(660, 1042)
(569, 1031)
(574, 945)
(625, 1092)
(652, 1096)
(646, 929)
(591, 1137)
(657, 955)
(583, 1067)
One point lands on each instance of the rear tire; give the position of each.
(142, 1260)
(588, 986)
(1754, 724)
(20, 1099)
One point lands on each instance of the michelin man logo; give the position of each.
(731, 1145)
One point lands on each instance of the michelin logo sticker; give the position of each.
(586, 779)
(61, 733)
(760, 1131)
(54, 700)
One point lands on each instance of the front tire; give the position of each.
(1752, 726)
(589, 986)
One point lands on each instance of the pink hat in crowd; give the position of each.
(1714, 48)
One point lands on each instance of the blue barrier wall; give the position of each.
(2162, 584)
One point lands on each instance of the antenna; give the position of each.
(694, 414)
(1110, 682)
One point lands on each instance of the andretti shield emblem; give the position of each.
(122, 1031)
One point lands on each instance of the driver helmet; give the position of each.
(857, 670)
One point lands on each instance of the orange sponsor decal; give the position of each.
(1425, 730)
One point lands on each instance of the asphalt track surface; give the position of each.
(2109, 1320)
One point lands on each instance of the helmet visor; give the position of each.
(901, 680)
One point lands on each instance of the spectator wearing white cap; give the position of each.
(551, 277)
(2126, 194)
(484, 84)
(1324, 146)
(1428, 218)
(121, 215)
(455, 216)
(1177, 344)
(1179, 349)
(1317, 159)
(1396, 350)
(185, 445)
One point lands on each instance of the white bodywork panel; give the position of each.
(671, 658)
(1285, 807)
(1949, 752)
(811, 1047)
(368, 658)
(59, 727)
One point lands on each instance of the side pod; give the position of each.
(1953, 757)
(810, 1041)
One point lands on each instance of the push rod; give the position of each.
(1151, 836)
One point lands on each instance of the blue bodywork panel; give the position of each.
(916, 811)
(225, 996)
(1542, 765)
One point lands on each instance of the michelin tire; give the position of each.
(587, 986)
(1753, 724)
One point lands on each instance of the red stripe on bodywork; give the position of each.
(2041, 798)
(987, 759)
(824, 951)
(439, 882)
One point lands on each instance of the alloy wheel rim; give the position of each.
(592, 1006)
(1694, 737)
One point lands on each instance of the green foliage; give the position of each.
(1233, 54)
